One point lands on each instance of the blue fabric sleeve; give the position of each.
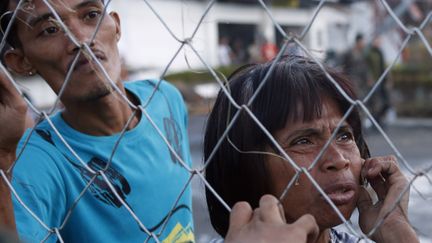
(44, 195)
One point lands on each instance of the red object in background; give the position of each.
(269, 51)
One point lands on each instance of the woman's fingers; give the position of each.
(382, 173)
(240, 216)
(392, 189)
(386, 165)
(270, 210)
(267, 224)
(388, 181)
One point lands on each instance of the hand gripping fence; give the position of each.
(84, 49)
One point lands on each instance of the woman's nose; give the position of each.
(334, 159)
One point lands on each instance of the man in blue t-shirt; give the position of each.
(100, 170)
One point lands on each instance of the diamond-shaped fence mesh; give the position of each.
(100, 173)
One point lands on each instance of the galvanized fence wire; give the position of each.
(85, 49)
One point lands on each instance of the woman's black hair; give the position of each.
(293, 92)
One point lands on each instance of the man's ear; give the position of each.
(18, 63)
(116, 19)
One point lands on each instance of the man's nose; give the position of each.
(333, 159)
(82, 33)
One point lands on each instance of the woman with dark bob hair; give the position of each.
(301, 109)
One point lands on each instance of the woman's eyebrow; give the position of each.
(303, 132)
(344, 128)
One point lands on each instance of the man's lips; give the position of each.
(341, 192)
(84, 61)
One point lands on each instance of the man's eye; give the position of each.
(50, 30)
(93, 14)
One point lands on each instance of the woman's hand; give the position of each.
(12, 119)
(389, 183)
(267, 224)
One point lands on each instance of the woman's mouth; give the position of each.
(341, 193)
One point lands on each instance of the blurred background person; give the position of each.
(379, 103)
(225, 53)
(356, 67)
(240, 52)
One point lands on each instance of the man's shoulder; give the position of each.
(41, 137)
(150, 84)
(147, 87)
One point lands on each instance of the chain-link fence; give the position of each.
(100, 173)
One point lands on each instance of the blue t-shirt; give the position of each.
(144, 172)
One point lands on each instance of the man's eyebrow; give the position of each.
(86, 3)
(49, 15)
(40, 18)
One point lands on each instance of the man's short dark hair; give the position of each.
(4, 6)
(5, 14)
(294, 91)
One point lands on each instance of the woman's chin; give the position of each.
(332, 219)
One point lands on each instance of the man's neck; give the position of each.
(103, 117)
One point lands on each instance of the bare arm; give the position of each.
(7, 218)
(389, 183)
(267, 224)
(12, 119)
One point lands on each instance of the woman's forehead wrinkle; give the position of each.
(328, 120)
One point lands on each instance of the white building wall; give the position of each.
(361, 20)
(146, 44)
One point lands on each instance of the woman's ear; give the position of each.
(18, 63)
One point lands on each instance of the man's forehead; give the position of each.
(31, 10)
(38, 3)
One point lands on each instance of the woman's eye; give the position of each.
(301, 141)
(345, 136)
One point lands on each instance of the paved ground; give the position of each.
(412, 137)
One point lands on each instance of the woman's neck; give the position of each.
(324, 236)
